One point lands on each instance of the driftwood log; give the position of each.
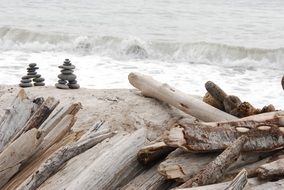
(232, 104)
(197, 108)
(16, 153)
(216, 169)
(239, 182)
(39, 116)
(15, 117)
(56, 160)
(201, 137)
(153, 152)
(272, 171)
(149, 179)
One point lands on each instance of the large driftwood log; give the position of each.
(57, 159)
(150, 180)
(112, 166)
(15, 117)
(200, 137)
(197, 108)
(55, 118)
(16, 153)
(39, 116)
(182, 166)
(239, 182)
(153, 152)
(216, 169)
(57, 133)
(272, 171)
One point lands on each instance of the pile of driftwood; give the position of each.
(229, 144)
(38, 149)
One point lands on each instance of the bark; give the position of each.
(176, 98)
(39, 116)
(153, 152)
(272, 171)
(56, 160)
(15, 117)
(202, 137)
(16, 153)
(216, 169)
(239, 182)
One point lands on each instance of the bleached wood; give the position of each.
(15, 117)
(17, 152)
(58, 158)
(39, 116)
(272, 171)
(106, 169)
(55, 118)
(216, 169)
(148, 179)
(239, 182)
(152, 88)
(56, 133)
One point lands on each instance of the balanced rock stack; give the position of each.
(32, 74)
(67, 79)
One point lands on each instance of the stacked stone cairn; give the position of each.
(67, 79)
(32, 76)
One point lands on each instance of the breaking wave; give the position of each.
(134, 48)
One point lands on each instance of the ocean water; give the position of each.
(238, 44)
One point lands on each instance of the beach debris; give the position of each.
(231, 104)
(32, 76)
(67, 80)
(190, 105)
(282, 82)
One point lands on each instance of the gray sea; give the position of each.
(238, 44)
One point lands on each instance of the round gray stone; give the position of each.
(32, 64)
(25, 85)
(39, 84)
(69, 77)
(74, 86)
(31, 70)
(37, 76)
(27, 77)
(26, 80)
(61, 86)
(38, 79)
(31, 73)
(62, 81)
(72, 82)
(67, 71)
(66, 67)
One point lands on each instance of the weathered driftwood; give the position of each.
(17, 152)
(57, 159)
(216, 169)
(202, 137)
(15, 117)
(153, 152)
(55, 118)
(182, 166)
(56, 133)
(208, 99)
(251, 184)
(197, 108)
(112, 167)
(272, 171)
(282, 82)
(239, 182)
(39, 116)
(232, 104)
(149, 179)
